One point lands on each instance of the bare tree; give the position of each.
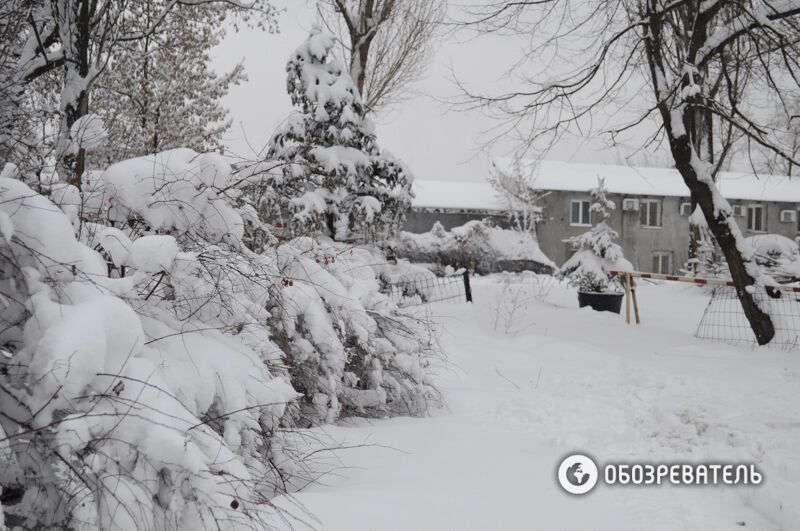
(160, 92)
(786, 124)
(387, 43)
(516, 187)
(13, 137)
(76, 37)
(703, 65)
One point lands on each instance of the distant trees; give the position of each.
(159, 92)
(706, 66)
(387, 43)
(16, 134)
(334, 177)
(785, 125)
(72, 43)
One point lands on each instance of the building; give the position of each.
(453, 203)
(651, 218)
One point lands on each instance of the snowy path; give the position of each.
(575, 380)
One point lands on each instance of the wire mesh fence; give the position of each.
(724, 319)
(416, 289)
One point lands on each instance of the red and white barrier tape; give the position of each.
(693, 280)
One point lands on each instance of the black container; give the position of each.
(601, 302)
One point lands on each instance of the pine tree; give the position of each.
(595, 250)
(336, 179)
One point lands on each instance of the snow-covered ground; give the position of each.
(572, 380)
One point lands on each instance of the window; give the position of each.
(757, 218)
(650, 213)
(662, 262)
(580, 213)
(686, 209)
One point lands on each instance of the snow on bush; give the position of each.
(88, 133)
(349, 350)
(150, 363)
(174, 191)
(478, 245)
(335, 178)
(118, 413)
(595, 251)
(777, 255)
(773, 247)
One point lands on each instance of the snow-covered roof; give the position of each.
(581, 177)
(456, 194)
(628, 180)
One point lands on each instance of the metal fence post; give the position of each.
(467, 289)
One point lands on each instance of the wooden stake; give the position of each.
(635, 303)
(628, 298)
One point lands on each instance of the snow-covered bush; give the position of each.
(310, 307)
(477, 245)
(427, 247)
(335, 179)
(348, 349)
(772, 248)
(777, 255)
(595, 251)
(120, 410)
(149, 357)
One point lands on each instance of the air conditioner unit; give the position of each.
(788, 216)
(739, 210)
(630, 205)
(686, 209)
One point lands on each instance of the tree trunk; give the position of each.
(358, 63)
(76, 67)
(694, 242)
(760, 322)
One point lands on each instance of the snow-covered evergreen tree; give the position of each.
(336, 179)
(595, 250)
(709, 261)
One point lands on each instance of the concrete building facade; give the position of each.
(651, 216)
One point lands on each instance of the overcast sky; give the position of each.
(435, 141)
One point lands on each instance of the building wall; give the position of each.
(422, 220)
(638, 242)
